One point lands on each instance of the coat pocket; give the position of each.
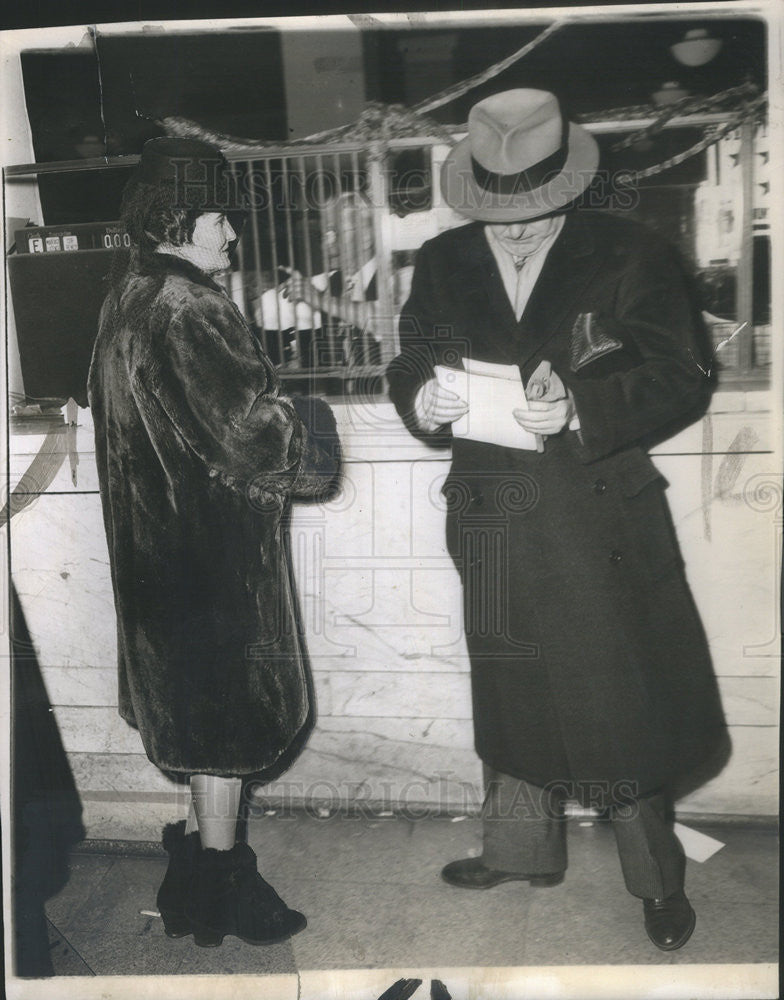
(636, 472)
(650, 532)
(591, 339)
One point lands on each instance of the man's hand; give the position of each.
(546, 417)
(435, 406)
(550, 405)
(295, 287)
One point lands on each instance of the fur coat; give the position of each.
(589, 664)
(198, 459)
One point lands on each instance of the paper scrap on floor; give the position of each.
(492, 392)
(697, 846)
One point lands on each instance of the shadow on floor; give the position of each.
(46, 807)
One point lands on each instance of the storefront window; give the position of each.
(714, 208)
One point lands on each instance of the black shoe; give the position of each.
(231, 897)
(669, 922)
(472, 873)
(183, 854)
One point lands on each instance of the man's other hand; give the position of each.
(435, 406)
(546, 417)
(295, 286)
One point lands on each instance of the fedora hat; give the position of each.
(520, 159)
(197, 173)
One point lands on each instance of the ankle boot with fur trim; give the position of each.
(179, 879)
(231, 897)
(171, 895)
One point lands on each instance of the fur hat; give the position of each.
(197, 172)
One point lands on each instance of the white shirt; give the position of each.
(520, 284)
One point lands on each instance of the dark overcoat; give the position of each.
(198, 456)
(588, 659)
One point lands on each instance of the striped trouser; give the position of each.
(524, 831)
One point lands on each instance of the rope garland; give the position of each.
(437, 100)
(698, 147)
(380, 122)
(186, 128)
(458, 89)
(377, 123)
(688, 106)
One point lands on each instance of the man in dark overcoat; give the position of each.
(591, 677)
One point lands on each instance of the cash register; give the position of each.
(58, 278)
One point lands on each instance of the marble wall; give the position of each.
(381, 605)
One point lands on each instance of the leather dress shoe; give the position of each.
(472, 873)
(669, 922)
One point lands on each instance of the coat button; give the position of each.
(477, 498)
(599, 486)
(615, 556)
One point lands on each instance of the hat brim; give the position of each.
(461, 191)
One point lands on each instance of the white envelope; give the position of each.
(492, 392)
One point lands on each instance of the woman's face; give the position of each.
(209, 245)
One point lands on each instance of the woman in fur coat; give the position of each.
(198, 458)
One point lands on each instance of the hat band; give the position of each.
(525, 180)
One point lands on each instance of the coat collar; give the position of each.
(559, 283)
(163, 264)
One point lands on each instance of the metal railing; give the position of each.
(335, 341)
(314, 273)
(325, 260)
(319, 273)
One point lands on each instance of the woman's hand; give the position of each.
(435, 406)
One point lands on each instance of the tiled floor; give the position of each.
(373, 898)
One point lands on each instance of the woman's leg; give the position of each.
(228, 895)
(216, 803)
(191, 826)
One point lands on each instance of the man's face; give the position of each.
(348, 234)
(524, 237)
(212, 235)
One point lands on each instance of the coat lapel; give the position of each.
(570, 265)
(479, 286)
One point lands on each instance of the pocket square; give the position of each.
(590, 340)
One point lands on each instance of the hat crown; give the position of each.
(196, 172)
(167, 158)
(512, 131)
(521, 159)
